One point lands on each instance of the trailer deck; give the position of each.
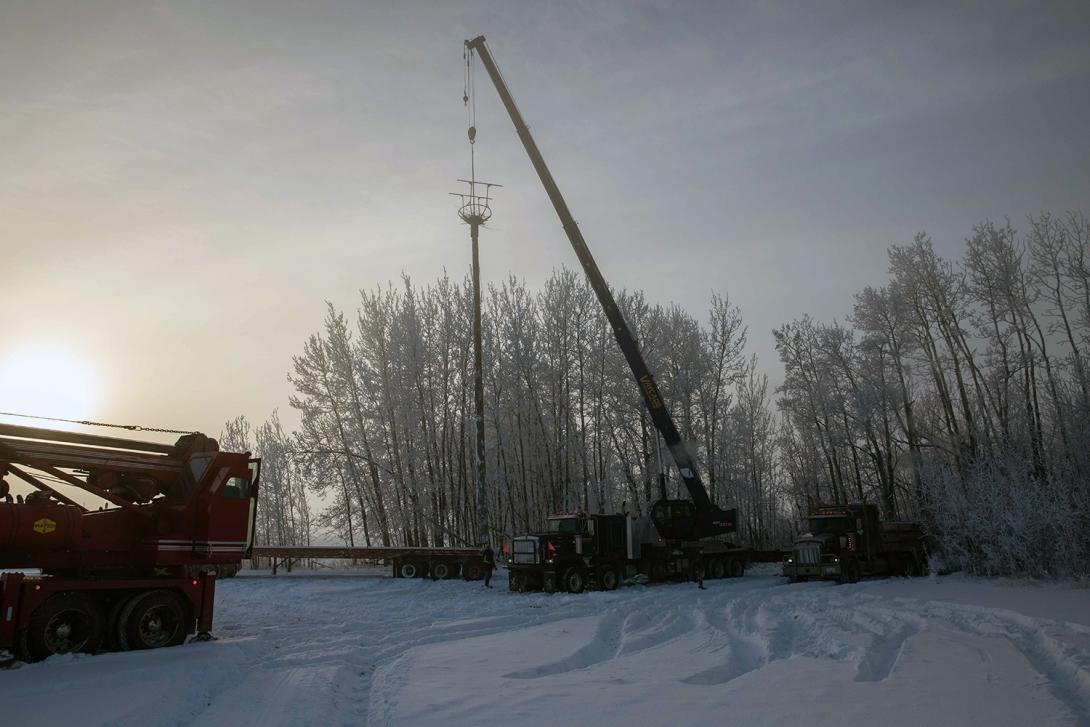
(406, 562)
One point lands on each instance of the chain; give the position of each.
(130, 427)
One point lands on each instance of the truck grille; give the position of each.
(809, 554)
(524, 551)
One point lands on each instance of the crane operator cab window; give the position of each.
(236, 488)
(568, 525)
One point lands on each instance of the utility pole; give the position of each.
(475, 211)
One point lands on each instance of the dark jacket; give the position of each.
(489, 557)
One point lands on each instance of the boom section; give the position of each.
(660, 416)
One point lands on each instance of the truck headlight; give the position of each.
(790, 561)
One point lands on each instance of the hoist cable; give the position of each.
(470, 100)
(130, 427)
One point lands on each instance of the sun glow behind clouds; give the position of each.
(47, 381)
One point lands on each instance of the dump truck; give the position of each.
(135, 572)
(846, 542)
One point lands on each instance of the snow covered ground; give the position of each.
(365, 649)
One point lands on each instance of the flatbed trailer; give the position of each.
(405, 562)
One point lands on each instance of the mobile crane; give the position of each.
(138, 573)
(602, 549)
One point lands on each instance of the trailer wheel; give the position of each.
(150, 620)
(67, 622)
(735, 568)
(408, 569)
(717, 569)
(440, 571)
(575, 580)
(472, 571)
(608, 580)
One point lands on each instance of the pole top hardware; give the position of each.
(475, 209)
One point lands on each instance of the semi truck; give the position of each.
(846, 542)
(579, 551)
(679, 537)
(137, 571)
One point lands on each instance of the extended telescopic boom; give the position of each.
(711, 520)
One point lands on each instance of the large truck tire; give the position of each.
(608, 579)
(717, 569)
(410, 569)
(575, 580)
(441, 570)
(66, 623)
(735, 568)
(473, 571)
(150, 620)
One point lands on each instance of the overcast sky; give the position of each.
(183, 185)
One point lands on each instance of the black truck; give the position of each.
(688, 535)
(847, 542)
(583, 551)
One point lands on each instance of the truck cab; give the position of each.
(573, 549)
(849, 541)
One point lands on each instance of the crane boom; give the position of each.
(710, 520)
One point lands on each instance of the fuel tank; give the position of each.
(46, 526)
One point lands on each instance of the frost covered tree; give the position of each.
(958, 395)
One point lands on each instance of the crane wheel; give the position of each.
(67, 622)
(735, 568)
(409, 569)
(717, 569)
(151, 619)
(608, 580)
(440, 571)
(575, 580)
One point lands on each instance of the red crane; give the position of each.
(137, 573)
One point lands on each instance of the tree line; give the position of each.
(956, 393)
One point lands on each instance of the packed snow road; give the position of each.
(354, 650)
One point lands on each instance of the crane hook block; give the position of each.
(472, 134)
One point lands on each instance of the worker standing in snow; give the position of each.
(489, 564)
